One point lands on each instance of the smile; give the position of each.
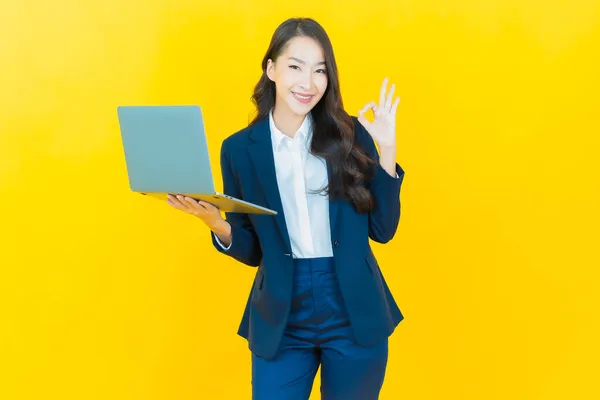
(302, 98)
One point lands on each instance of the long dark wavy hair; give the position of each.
(333, 129)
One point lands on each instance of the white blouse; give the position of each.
(300, 173)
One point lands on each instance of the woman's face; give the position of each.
(299, 74)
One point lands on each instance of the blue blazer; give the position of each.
(248, 170)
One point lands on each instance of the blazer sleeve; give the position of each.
(385, 188)
(244, 246)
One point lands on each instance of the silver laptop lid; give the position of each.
(166, 149)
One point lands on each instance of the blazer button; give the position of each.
(335, 243)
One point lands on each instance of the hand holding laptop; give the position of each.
(207, 212)
(166, 151)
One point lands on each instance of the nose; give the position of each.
(306, 81)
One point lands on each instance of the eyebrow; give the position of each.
(302, 62)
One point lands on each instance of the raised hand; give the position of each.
(383, 127)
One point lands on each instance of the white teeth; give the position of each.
(302, 97)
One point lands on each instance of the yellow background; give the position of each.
(108, 294)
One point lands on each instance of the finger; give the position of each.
(203, 204)
(193, 205)
(364, 121)
(382, 93)
(172, 200)
(184, 204)
(388, 100)
(368, 106)
(207, 206)
(395, 106)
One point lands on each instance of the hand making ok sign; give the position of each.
(383, 127)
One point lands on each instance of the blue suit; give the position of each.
(248, 172)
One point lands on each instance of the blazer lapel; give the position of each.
(261, 153)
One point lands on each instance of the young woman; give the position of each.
(318, 297)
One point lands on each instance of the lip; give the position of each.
(305, 99)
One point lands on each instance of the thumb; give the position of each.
(363, 120)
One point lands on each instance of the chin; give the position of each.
(299, 108)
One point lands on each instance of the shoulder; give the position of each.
(254, 131)
(239, 140)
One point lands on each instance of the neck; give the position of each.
(286, 121)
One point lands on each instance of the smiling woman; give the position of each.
(299, 69)
(316, 299)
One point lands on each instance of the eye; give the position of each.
(322, 71)
(294, 67)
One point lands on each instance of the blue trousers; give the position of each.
(318, 332)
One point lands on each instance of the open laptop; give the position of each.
(166, 152)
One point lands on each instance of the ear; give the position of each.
(270, 69)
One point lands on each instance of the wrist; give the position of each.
(221, 228)
(387, 160)
(387, 147)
